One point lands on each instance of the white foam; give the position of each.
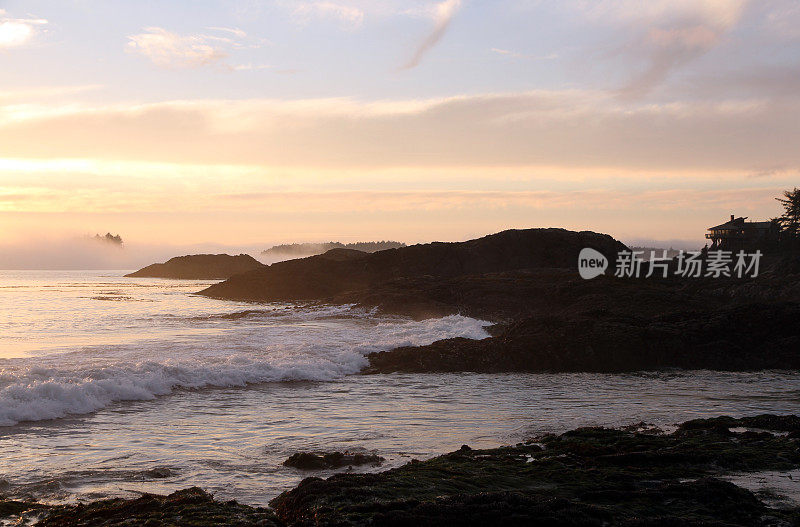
(92, 379)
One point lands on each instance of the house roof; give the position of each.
(739, 223)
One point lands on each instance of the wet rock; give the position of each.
(15, 509)
(191, 506)
(738, 338)
(158, 473)
(777, 423)
(331, 460)
(588, 476)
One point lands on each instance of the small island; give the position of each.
(199, 267)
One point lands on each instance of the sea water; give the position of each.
(111, 386)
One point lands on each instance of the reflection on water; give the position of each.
(47, 311)
(232, 441)
(106, 379)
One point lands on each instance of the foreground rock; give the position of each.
(590, 476)
(330, 460)
(200, 267)
(191, 506)
(343, 271)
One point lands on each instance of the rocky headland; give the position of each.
(546, 317)
(700, 474)
(345, 275)
(199, 267)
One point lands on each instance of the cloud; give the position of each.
(16, 32)
(251, 67)
(774, 173)
(782, 18)
(351, 17)
(465, 200)
(556, 128)
(235, 31)
(170, 50)
(515, 55)
(442, 14)
(32, 94)
(115, 197)
(660, 36)
(667, 49)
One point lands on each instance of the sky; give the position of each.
(250, 122)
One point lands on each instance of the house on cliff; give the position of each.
(739, 234)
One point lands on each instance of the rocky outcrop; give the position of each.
(548, 318)
(553, 321)
(191, 506)
(588, 476)
(200, 267)
(330, 460)
(341, 271)
(740, 338)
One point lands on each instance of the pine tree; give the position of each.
(790, 220)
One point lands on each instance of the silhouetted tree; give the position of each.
(790, 220)
(319, 248)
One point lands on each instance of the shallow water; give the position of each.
(105, 378)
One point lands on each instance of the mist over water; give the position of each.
(84, 252)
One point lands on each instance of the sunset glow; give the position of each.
(252, 122)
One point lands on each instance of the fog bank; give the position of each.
(87, 253)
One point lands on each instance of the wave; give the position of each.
(55, 387)
(294, 311)
(81, 392)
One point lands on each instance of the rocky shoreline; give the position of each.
(550, 320)
(638, 475)
(741, 338)
(546, 317)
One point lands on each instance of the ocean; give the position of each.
(112, 386)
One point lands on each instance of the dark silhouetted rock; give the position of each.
(330, 460)
(739, 338)
(191, 506)
(548, 318)
(587, 476)
(200, 267)
(157, 472)
(340, 271)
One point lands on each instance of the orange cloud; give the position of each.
(568, 128)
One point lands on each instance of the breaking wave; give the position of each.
(88, 380)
